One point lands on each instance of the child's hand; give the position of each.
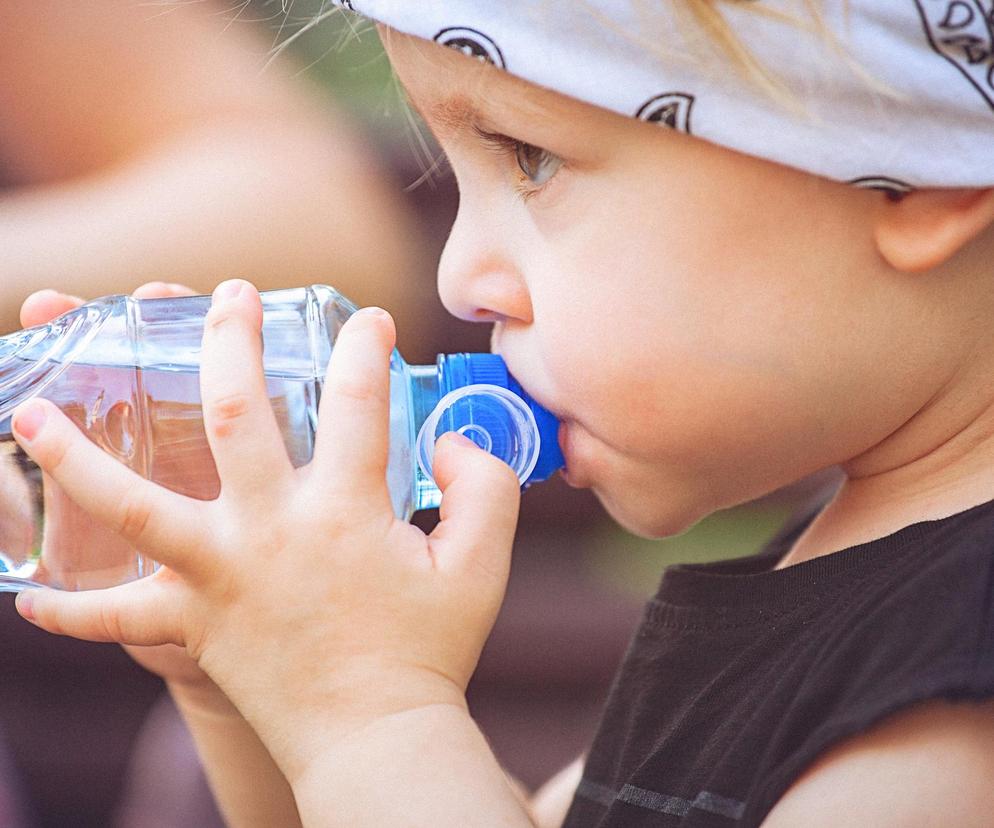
(298, 591)
(169, 662)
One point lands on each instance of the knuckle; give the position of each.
(56, 455)
(218, 317)
(109, 623)
(357, 389)
(337, 522)
(134, 517)
(225, 413)
(195, 641)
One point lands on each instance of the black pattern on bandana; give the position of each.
(472, 43)
(962, 31)
(895, 190)
(670, 109)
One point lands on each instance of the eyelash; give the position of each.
(505, 146)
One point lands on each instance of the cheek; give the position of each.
(667, 435)
(684, 340)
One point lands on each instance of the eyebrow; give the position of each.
(451, 114)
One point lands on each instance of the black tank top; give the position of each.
(740, 675)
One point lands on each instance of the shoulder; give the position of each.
(931, 764)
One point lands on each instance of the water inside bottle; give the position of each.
(150, 419)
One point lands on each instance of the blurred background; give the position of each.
(190, 142)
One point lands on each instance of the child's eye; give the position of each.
(537, 165)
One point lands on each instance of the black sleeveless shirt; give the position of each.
(740, 675)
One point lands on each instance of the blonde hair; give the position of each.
(705, 29)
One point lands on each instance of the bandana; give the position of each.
(889, 94)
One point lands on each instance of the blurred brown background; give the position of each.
(193, 142)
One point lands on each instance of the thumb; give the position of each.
(479, 510)
(142, 612)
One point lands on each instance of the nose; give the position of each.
(478, 277)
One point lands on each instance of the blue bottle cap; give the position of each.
(459, 370)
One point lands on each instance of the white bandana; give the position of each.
(905, 97)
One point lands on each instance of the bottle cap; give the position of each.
(496, 419)
(482, 401)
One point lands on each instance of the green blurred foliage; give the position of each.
(336, 49)
(634, 564)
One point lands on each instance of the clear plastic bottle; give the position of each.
(127, 372)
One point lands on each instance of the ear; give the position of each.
(926, 227)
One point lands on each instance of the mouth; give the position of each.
(566, 422)
(533, 389)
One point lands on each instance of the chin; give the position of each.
(651, 518)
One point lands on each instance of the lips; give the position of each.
(536, 393)
(524, 378)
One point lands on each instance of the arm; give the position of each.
(550, 803)
(249, 789)
(929, 765)
(426, 766)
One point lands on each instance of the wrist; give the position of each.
(201, 697)
(356, 746)
(433, 760)
(356, 709)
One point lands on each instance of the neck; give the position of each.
(939, 463)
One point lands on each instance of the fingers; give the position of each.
(160, 290)
(44, 305)
(157, 521)
(144, 612)
(241, 428)
(479, 511)
(354, 421)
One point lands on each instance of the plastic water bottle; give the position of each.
(127, 372)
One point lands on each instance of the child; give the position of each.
(711, 319)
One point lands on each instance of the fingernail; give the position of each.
(228, 290)
(458, 439)
(25, 605)
(29, 420)
(372, 310)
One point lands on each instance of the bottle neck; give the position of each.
(425, 393)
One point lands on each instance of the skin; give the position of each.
(793, 343)
(773, 307)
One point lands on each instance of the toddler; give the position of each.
(728, 244)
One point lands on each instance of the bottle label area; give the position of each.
(152, 422)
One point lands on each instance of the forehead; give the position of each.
(450, 89)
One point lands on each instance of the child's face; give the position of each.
(708, 326)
